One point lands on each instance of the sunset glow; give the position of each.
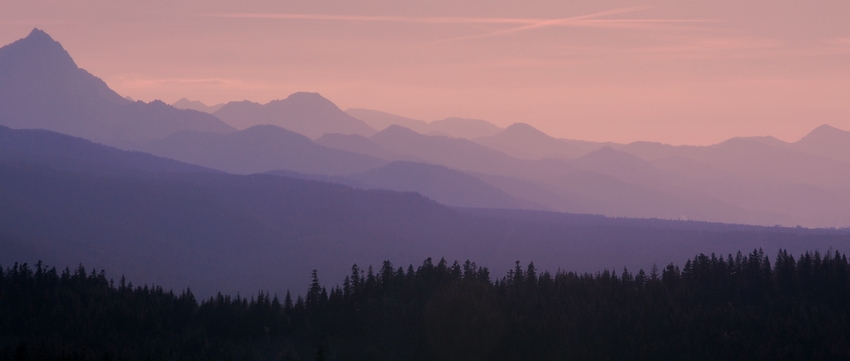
(671, 71)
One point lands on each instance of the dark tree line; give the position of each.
(737, 307)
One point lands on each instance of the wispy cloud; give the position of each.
(517, 24)
(378, 19)
(525, 23)
(589, 20)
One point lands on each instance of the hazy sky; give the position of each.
(680, 72)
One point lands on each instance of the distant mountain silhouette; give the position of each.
(826, 141)
(524, 141)
(184, 103)
(758, 174)
(260, 149)
(766, 140)
(59, 151)
(43, 88)
(452, 127)
(179, 227)
(452, 152)
(755, 159)
(561, 185)
(381, 120)
(342, 180)
(464, 128)
(359, 144)
(442, 184)
(609, 160)
(307, 113)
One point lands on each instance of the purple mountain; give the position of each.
(43, 88)
(826, 141)
(307, 113)
(524, 141)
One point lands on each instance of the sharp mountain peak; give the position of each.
(36, 51)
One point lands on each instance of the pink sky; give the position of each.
(679, 72)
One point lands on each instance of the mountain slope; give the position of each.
(826, 141)
(451, 152)
(43, 88)
(571, 186)
(60, 151)
(464, 128)
(444, 185)
(230, 233)
(260, 149)
(381, 120)
(524, 141)
(751, 158)
(184, 103)
(452, 127)
(763, 175)
(307, 113)
(359, 144)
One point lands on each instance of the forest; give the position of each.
(743, 306)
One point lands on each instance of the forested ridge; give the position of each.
(746, 306)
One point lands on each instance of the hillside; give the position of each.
(43, 88)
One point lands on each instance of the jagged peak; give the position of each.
(37, 51)
(38, 35)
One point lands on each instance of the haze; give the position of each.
(678, 72)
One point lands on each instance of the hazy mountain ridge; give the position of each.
(356, 143)
(184, 103)
(451, 127)
(307, 113)
(43, 88)
(758, 180)
(260, 149)
(524, 141)
(569, 188)
(826, 141)
(59, 151)
(442, 184)
(211, 231)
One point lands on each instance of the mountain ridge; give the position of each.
(43, 88)
(307, 113)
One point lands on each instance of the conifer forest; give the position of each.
(747, 306)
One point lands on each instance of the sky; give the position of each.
(678, 72)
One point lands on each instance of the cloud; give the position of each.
(589, 20)
(592, 20)
(380, 19)
(524, 23)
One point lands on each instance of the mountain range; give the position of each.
(759, 180)
(756, 180)
(306, 113)
(452, 126)
(259, 149)
(184, 103)
(42, 87)
(66, 201)
(181, 198)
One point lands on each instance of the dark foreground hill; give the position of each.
(157, 220)
(741, 307)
